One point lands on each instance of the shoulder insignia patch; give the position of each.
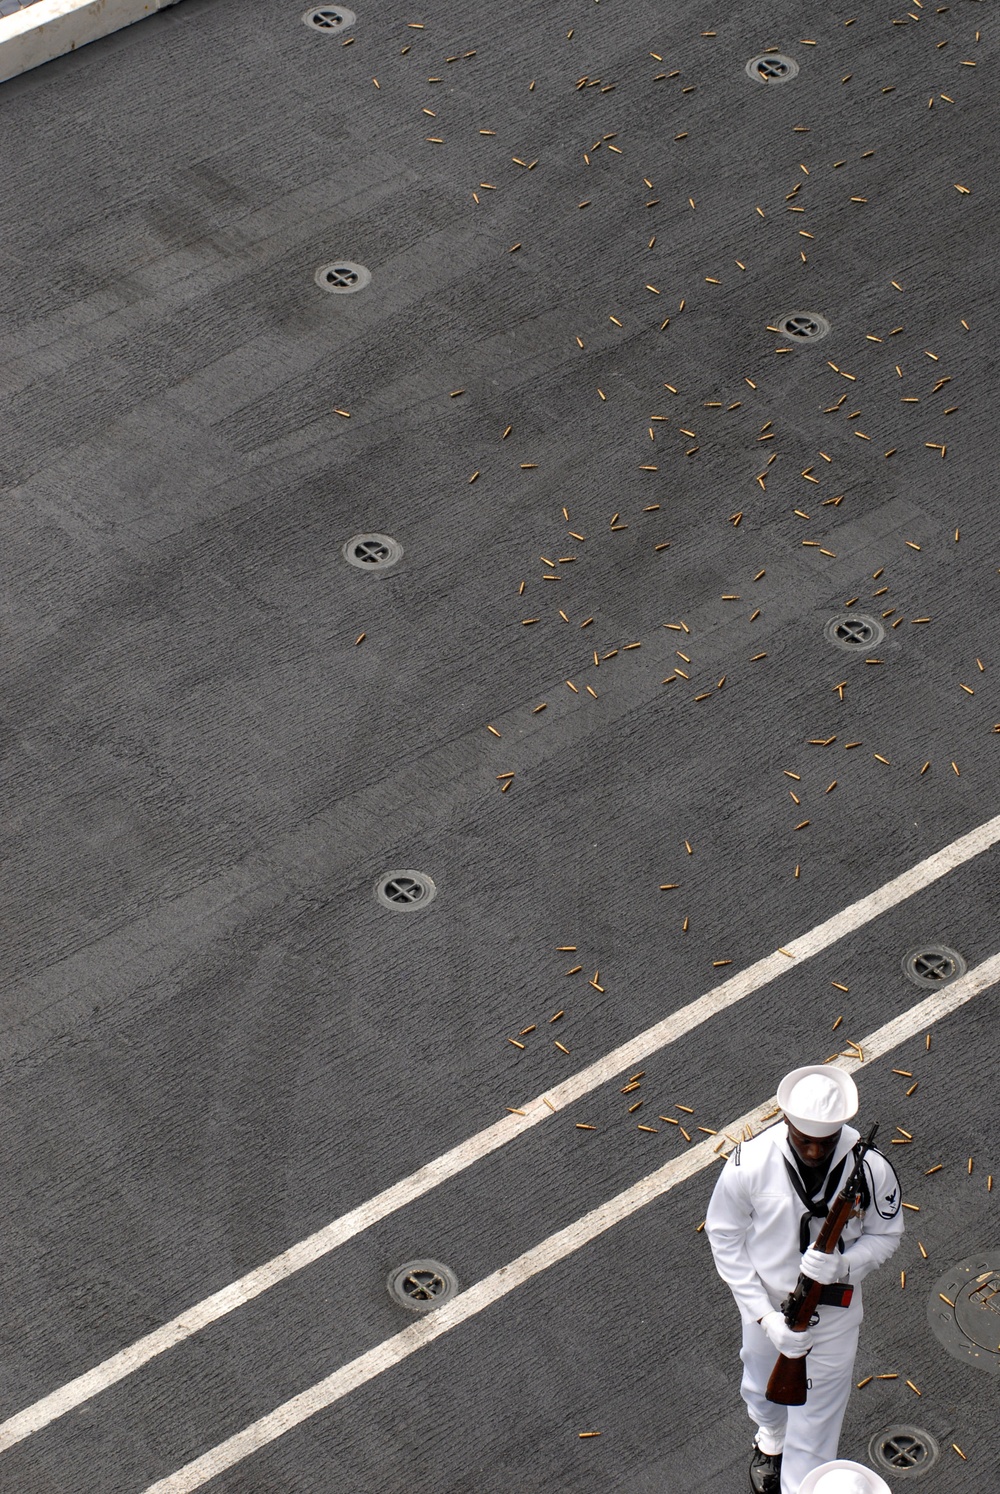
(887, 1199)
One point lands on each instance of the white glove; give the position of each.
(818, 1266)
(792, 1345)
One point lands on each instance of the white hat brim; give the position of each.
(819, 1128)
(877, 1483)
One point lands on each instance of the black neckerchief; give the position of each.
(815, 1208)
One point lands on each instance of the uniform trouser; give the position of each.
(811, 1432)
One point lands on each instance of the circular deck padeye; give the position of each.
(329, 18)
(854, 631)
(372, 552)
(772, 67)
(903, 1451)
(343, 277)
(405, 891)
(933, 965)
(422, 1285)
(963, 1309)
(801, 326)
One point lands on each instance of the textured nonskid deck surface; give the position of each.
(692, 647)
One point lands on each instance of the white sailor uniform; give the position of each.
(758, 1226)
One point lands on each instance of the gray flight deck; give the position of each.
(215, 1039)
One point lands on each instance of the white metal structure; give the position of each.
(51, 28)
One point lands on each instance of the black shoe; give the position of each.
(765, 1472)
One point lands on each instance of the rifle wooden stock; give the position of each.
(787, 1383)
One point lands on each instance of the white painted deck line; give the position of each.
(75, 1392)
(51, 28)
(376, 1361)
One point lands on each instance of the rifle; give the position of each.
(787, 1385)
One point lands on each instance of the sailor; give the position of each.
(843, 1477)
(768, 1206)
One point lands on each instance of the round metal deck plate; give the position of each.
(802, 326)
(329, 18)
(405, 891)
(904, 1451)
(854, 631)
(933, 965)
(343, 277)
(372, 552)
(772, 67)
(970, 1330)
(422, 1285)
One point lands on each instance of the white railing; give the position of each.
(36, 31)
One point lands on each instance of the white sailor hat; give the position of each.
(843, 1477)
(818, 1099)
